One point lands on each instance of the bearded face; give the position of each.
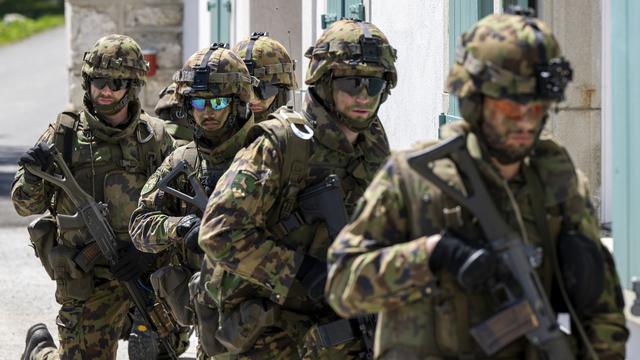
(510, 128)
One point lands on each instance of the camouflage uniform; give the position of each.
(171, 111)
(247, 228)
(154, 222)
(269, 61)
(112, 164)
(379, 262)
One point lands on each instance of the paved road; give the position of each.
(34, 90)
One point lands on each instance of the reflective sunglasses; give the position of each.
(265, 90)
(353, 85)
(217, 103)
(514, 109)
(113, 84)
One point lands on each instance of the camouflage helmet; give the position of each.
(352, 47)
(117, 57)
(167, 99)
(509, 56)
(267, 59)
(215, 71)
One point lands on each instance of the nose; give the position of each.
(362, 97)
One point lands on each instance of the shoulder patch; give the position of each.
(243, 183)
(151, 183)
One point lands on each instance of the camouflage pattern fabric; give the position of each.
(339, 49)
(272, 61)
(169, 108)
(110, 164)
(379, 262)
(117, 57)
(89, 329)
(237, 232)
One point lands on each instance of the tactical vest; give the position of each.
(446, 315)
(301, 167)
(112, 172)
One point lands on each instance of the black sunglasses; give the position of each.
(265, 90)
(113, 84)
(353, 85)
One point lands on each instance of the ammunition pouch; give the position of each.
(241, 327)
(342, 331)
(43, 234)
(171, 286)
(71, 281)
(207, 318)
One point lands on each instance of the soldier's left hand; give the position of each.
(188, 229)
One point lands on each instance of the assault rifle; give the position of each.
(92, 214)
(323, 202)
(523, 306)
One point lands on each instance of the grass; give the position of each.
(18, 30)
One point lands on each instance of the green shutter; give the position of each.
(625, 87)
(220, 12)
(338, 9)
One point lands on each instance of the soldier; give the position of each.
(218, 112)
(111, 147)
(255, 227)
(269, 61)
(171, 111)
(414, 256)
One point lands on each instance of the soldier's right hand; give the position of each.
(188, 230)
(471, 266)
(40, 156)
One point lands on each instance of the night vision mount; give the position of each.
(201, 72)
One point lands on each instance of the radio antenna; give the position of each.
(293, 90)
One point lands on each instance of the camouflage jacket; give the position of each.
(181, 133)
(379, 262)
(236, 228)
(110, 163)
(153, 223)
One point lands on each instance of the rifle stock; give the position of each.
(542, 330)
(92, 215)
(199, 199)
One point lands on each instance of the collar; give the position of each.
(108, 133)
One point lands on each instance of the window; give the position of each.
(220, 11)
(338, 9)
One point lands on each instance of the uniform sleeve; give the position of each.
(373, 265)
(153, 223)
(233, 231)
(29, 199)
(605, 323)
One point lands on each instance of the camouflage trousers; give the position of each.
(89, 329)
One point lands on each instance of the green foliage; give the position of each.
(32, 8)
(18, 30)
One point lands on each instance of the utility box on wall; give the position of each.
(155, 24)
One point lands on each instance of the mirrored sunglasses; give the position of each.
(217, 103)
(353, 85)
(113, 84)
(265, 90)
(514, 109)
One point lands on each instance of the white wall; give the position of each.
(417, 29)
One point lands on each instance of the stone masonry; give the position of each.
(154, 24)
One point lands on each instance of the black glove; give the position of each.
(313, 276)
(40, 156)
(132, 263)
(471, 266)
(188, 229)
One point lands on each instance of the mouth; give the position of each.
(104, 101)
(521, 138)
(360, 112)
(256, 108)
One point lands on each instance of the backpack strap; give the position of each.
(65, 126)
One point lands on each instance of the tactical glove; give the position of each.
(313, 276)
(188, 229)
(40, 156)
(471, 266)
(132, 263)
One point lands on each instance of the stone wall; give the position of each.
(154, 24)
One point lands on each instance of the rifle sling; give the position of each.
(537, 200)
